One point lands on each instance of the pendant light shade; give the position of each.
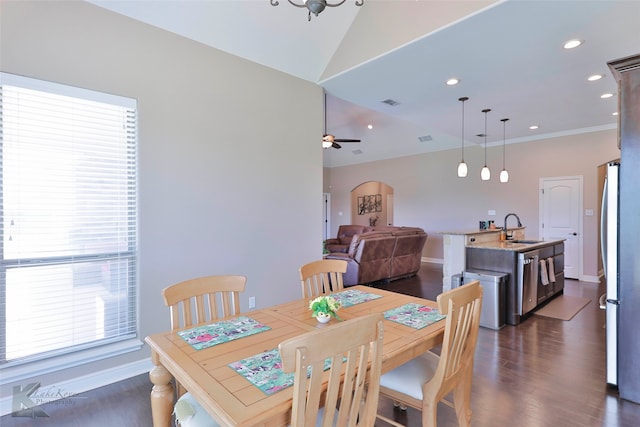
(485, 173)
(462, 167)
(504, 175)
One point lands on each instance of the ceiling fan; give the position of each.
(328, 140)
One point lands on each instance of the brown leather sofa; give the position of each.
(377, 253)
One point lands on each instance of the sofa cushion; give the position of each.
(374, 257)
(336, 247)
(346, 232)
(357, 238)
(407, 255)
(407, 231)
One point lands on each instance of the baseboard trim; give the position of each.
(591, 279)
(433, 260)
(88, 382)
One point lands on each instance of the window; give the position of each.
(68, 219)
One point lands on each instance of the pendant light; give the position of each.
(462, 167)
(504, 175)
(485, 173)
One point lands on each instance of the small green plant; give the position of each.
(324, 304)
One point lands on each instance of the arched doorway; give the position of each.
(372, 204)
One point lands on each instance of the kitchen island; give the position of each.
(535, 268)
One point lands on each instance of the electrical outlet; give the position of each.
(252, 302)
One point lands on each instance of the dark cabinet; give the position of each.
(525, 289)
(552, 259)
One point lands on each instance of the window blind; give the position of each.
(68, 201)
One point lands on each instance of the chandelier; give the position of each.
(315, 6)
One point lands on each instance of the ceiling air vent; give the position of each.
(390, 102)
(425, 138)
(357, 152)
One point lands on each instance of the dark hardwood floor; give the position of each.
(541, 373)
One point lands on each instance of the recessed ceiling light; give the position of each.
(595, 77)
(614, 113)
(572, 44)
(606, 95)
(452, 82)
(370, 126)
(533, 127)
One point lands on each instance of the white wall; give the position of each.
(230, 163)
(428, 193)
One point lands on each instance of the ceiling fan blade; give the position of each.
(346, 140)
(336, 145)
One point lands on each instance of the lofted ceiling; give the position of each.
(508, 56)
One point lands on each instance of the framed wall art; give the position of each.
(369, 204)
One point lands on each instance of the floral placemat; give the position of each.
(264, 371)
(414, 315)
(351, 297)
(207, 336)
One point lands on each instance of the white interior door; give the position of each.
(561, 218)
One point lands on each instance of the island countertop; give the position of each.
(508, 245)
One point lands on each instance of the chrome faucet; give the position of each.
(509, 237)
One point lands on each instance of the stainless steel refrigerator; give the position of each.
(623, 293)
(610, 244)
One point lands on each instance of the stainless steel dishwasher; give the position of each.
(527, 281)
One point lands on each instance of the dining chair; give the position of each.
(193, 302)
(427, 379)
(203, 299)
(354, 350)
(322, 277)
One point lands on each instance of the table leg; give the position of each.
(162, 395)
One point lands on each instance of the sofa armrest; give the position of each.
(349, 278)
(332, 241)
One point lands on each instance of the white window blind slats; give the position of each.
(69, 220)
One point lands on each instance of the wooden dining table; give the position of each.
(230, 398)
